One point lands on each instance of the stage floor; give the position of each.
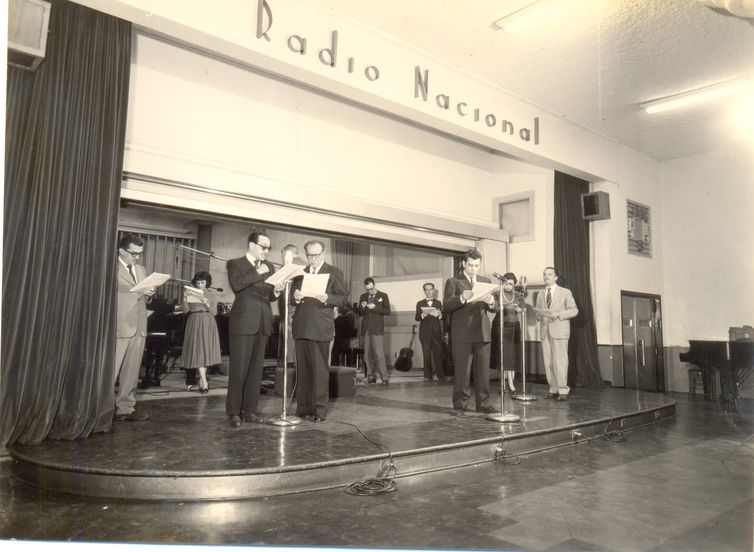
(187, 451)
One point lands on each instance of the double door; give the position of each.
(643, 367)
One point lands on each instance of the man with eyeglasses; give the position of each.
(313, 331)
(131, 328)
(249, 327)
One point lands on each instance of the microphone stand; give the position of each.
(523, 396)
(284, 420)
(210, 254)
(504, 416)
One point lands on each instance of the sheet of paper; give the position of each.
(544, 312)
(314, 284)
(482, 290)
(432, 311)
(194, 291)
(152, 281)
(286, 272)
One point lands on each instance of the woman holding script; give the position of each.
(513, 303)
(201, 342)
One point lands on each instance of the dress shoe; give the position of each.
(551, 395)
(204, 390)
(254, 419)
(371, 380)
(132, 417)
(462, 408)
(318, 418)
(489, 409)
(385, 382)
(562, 397)
(234, 421)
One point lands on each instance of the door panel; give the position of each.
(642, 342)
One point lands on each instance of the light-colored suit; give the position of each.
(131, 332)
(554, 335)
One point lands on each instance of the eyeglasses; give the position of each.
(134, 253)
(264, 247)
(313, 255)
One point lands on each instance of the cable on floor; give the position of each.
(385, 480)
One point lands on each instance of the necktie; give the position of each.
(133, 273)
(549, 298)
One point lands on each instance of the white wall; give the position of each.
(614, 269)
(708, 214)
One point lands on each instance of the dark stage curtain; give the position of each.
(64, 144)
(572, 263)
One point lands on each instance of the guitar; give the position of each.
(405, 361)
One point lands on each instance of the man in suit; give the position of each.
(249, 327)
(429, 316)
(131, 328)
(373, 306)
(555, 307)
(470, 335)
(313, 331)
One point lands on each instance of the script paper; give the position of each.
(286, 272)
(481, 291)
(193, 295)
(314, 284)
(431, 311)
(545, 312)
(152, 281)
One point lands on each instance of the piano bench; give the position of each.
(696, 378)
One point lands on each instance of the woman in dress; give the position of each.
(513, 304)
(201, 342)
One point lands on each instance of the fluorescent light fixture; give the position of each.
(698, 95)
(512, 21)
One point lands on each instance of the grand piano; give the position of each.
(733, 360)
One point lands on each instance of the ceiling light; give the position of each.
(513, 21)
(698, 95)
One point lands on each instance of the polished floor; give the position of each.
(684, 484)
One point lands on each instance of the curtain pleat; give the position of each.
(571, 237)
(65, 139)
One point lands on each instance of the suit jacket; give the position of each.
(430, 325)
(132, 307)
(251, 312)
(373, 320)
(470, 323)
(313, 319)
(562, 302)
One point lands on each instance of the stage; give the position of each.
(187, 451)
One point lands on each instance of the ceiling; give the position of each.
(593, 61)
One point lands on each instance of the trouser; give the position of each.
(245, 373)
(128, 354)
(433, 360)
(468, 357)
(312, 377)
(555, 353)
(374, 356)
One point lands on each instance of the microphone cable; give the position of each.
(385, 480)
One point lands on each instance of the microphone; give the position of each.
(216, 289)
(496, 275)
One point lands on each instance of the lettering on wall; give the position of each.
(328, 55)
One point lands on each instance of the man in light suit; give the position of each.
(373, 306)
(313, 331)
(249, 327)
(555, 307)
(470, 335)
(131, 328)
(430, 333)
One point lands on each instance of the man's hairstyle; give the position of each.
(428, 284)
(202, 275)
(313, 242)
(555, 270)
(129, 239)
(472, 254)
(368, 281)
(255, 235)
(290, 247)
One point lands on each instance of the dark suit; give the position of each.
(131, 332)
(470, 336)
(372, 331)
(430, 336)
(313, 330)
(249, 327)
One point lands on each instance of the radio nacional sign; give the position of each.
(329, 55)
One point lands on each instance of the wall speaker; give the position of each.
(595, 206)
(28, 21)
